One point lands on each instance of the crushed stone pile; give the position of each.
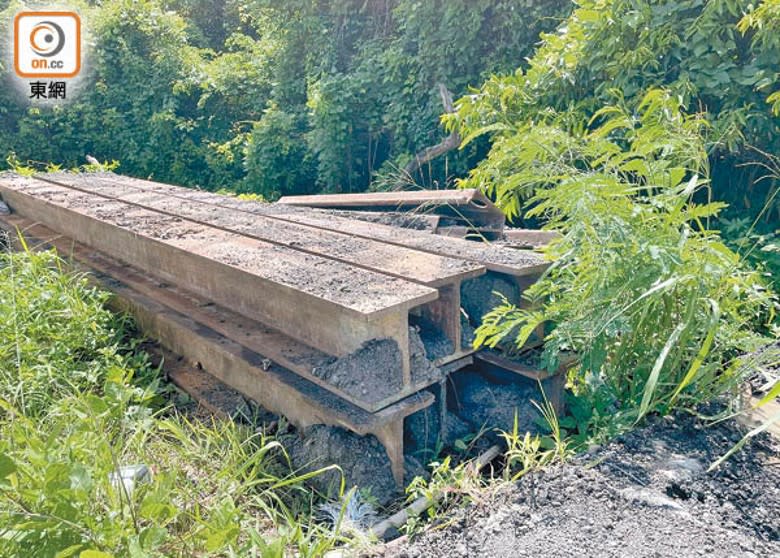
(647, 493)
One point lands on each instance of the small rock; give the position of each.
(650, 498)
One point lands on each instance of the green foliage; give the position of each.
(650, 299)
(77, 402)
(766, 359)
(277, 161)
(55, 494)
(55, 324)
(698, 49)
(764, 21)
(526, 452)
(449, 485)
(269, 97)
(760, 249)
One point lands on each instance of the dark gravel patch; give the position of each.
(492, 404)
(478, 295)
(363, 461)
(645, 494)
(434, 342)
(371, 374)
(403, 219)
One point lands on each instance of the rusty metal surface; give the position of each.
(397, 261)
(326, 304)
(492, 256)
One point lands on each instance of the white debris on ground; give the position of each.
(130, 476)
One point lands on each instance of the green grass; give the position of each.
(78, 399)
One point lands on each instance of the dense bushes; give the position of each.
(276, 158)
(129, 107)
(271, 97)
(653, 303)
(708, 52)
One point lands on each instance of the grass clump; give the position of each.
(78, 401)
(57, 338)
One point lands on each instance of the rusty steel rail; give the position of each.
(441, 272)
(311, 299)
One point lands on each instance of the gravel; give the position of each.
(647, 493)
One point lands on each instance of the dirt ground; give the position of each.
(646, 494)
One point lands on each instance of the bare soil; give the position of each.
(362, 459)
(421, 356)
(373, 372)
(434, 342)
(648, 493)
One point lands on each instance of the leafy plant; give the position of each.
(768, 359)
(56, 338)
(447, 486)
(268, 97)
(653, 303)
(703, 51)
(527, 452)
(764, 20)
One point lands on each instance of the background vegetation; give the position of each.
(273, 97)
(718, 57)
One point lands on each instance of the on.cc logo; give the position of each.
(47, 39)
(47, 44)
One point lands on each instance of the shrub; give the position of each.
(276, 159)
(650, 299)
(705, 52)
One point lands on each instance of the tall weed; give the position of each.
(648, 296)
(56, 336)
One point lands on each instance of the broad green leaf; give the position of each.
(70, 551)
(152, 537)
(7, 466)
(496, 127)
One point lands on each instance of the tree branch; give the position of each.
(448, 144)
